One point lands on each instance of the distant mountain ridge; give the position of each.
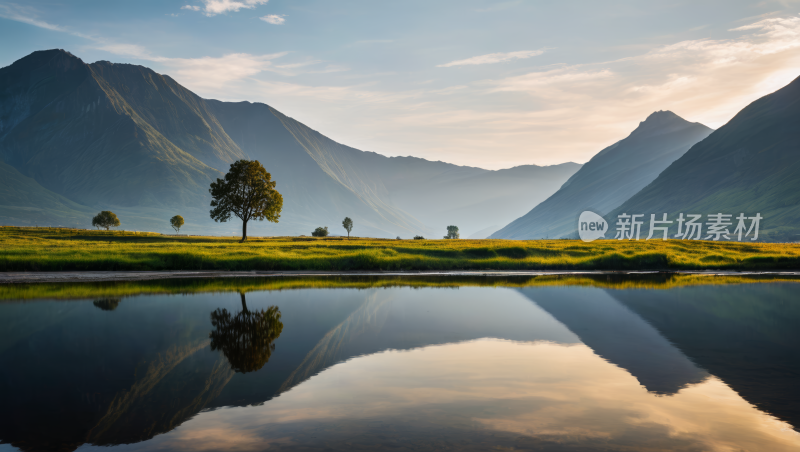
(611, 177)
(106, 135)
(750, 165)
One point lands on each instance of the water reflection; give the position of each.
(246, 338)
(107, 304)
(470, 368)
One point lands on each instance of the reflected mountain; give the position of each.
(748, 336)
(90, 377)
(77, 375)
(403, 320)
(247, 338)
(620, 336)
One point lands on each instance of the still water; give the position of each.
(409, 364)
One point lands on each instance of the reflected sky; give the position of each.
(469, 368)
(521, 395)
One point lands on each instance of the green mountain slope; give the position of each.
(750, 165)
(317, 190)
(610, 177)
(121, 137)
(24, 202)
(83, 140)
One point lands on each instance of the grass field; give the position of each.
(46, 249)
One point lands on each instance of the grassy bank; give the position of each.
(123, 289)
(45, 249)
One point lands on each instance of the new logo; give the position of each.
(591, 226)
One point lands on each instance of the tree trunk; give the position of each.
(244, 230)
(244, 303)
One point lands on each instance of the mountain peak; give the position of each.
(662, 121)
(49, 55)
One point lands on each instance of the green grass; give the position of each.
(185, 286)
(53, 249)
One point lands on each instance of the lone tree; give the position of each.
(105, 219)
(176, 222)
(320, 232)
(246, 338)
(348, 226)
(248, 192)
(452, 233)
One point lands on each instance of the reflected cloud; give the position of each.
(551, 394)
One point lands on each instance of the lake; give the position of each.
(568, 363)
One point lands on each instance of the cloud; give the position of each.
(374, 41)
(28, 15)
(492, 58)
(550, 393)
(552, 115)
(214, 7)
(131, 50)
(273, 19)
(499, 6)
(216, 73)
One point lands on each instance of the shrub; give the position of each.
(320, 232)
(419, 237)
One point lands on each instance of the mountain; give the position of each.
(26, 203)
(121, 137)
(750, 165)
(611, 177)
(482, 200)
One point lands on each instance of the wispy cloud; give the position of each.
(30, 16)
(375, 41)
(570, 112)
(493, 58)
(214, 7)
(499, 6)
(273, 19)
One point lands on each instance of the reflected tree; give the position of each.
(107, 304)
(246, 338)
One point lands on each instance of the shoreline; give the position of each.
(113, 276)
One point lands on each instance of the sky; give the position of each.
(492, 84)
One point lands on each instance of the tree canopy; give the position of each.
(320, 232)
(176, 222)
(246, 338)
(348, 225)
(105, 219)
(248, 192)
(452, 233)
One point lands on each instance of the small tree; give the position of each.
(320, 232)
(348, 226)
(248, 192)
(452, 232)
(419, 237)
(105, 219)
(176, 222)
